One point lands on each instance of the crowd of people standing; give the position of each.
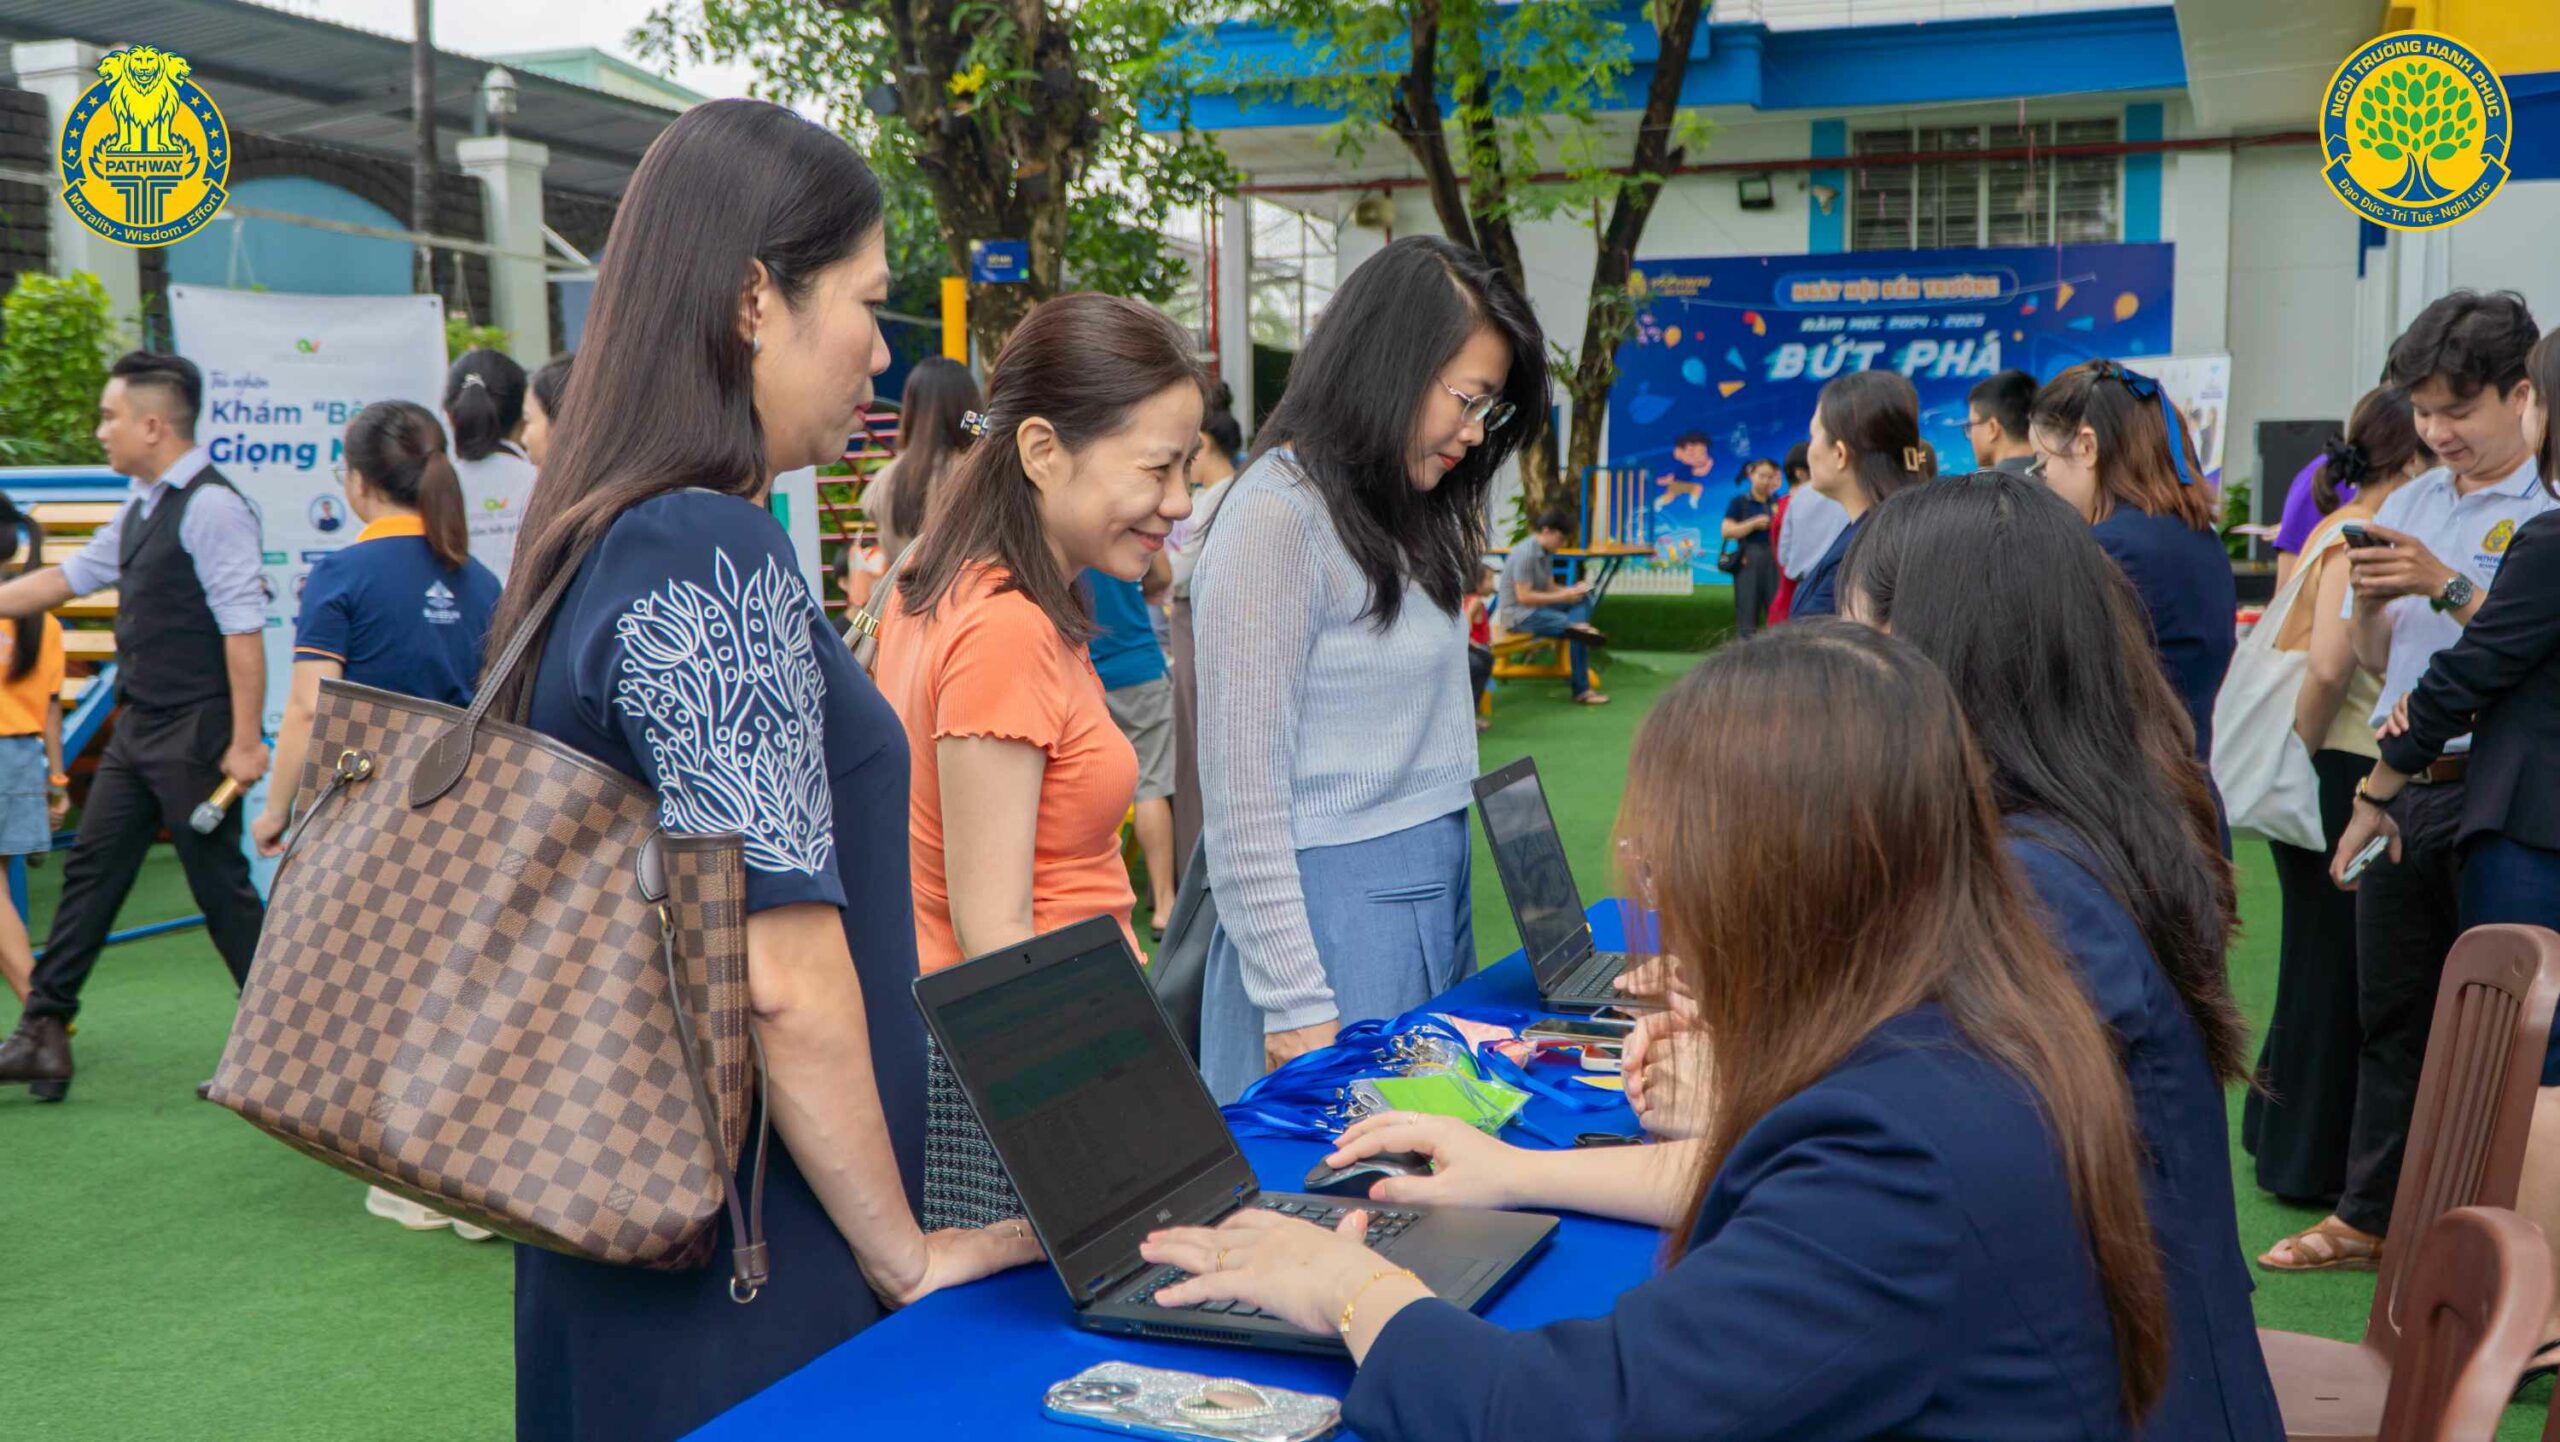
(1941, 1029)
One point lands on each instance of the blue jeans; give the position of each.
(1394, 925)
(2508, 881)
(1553, 621)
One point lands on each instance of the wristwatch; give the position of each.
(2457, 593)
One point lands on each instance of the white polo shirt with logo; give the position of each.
(2469, 533)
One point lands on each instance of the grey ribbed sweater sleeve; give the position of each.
(1255, 611)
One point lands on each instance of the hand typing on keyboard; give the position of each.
(1302, 1262)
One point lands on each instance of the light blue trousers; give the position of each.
(1394, 926)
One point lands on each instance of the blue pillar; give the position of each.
(1828, 234)
(2142, 175)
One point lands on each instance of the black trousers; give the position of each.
(2296, 1122)
(1754, 587)
(2408, 914)
(159, 765)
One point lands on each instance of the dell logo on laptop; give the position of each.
(1165, 1216)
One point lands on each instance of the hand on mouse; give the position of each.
(1469, 1169)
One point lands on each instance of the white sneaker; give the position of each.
(395, 1208)
(470, 1233)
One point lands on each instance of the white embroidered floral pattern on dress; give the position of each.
(726, 686)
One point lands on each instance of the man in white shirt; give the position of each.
(2463, 363)
(185, 553)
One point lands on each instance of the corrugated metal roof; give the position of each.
(295, 77)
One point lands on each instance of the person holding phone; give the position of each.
(2296, 1124)
(1918, 1210)
(2447, 535)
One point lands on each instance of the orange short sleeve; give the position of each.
(1005, 675)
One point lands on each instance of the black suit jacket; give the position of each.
(2501, 682)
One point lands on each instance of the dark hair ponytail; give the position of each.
(939, 396)
(2381, 439)
(484, 396)
(1876, 415)
(399, 450)
(22, 542)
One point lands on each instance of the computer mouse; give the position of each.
(1356, 1179)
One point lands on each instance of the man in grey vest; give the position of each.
(185, 554)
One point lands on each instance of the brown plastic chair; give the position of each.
(2472, 1310)
(2466, 1149)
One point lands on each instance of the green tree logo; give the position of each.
(2417, 113)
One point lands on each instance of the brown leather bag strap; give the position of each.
(440, 767)
(749, 1264)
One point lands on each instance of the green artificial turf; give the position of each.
(166, 1272)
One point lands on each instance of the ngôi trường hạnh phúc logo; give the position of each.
(2414, 130)
(143, 154)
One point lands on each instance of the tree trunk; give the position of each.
(1612, 312)
(1004, 176)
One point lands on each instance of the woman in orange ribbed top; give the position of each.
(1020, 777)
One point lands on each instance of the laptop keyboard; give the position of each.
(1385, 1225)
(1596, 976)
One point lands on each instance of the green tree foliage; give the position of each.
(53, 362)
(1498, 102)
(460, 335)
(986, 121)
(2417, 114)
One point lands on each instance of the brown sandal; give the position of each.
(2330, 1245)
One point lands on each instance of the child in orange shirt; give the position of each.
(34, 794)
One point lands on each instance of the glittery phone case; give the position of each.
(1188, 1407)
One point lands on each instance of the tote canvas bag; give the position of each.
(2262, 767)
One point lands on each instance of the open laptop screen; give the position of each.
(1085, 1093)
(1530, 856)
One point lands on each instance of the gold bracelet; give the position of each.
(1344, 1326)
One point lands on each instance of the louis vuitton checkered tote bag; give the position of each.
(467, 990)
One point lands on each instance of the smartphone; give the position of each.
(2365, 858)
(2358, 538)
(1610, 1033)
(1188, 1407)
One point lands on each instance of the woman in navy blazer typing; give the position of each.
(2111, 825)
(1916, 1212)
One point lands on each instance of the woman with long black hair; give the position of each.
(733, 337)
(1337, 742)
(939, 395)
(2108, 818)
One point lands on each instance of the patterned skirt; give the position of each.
(964, 1184)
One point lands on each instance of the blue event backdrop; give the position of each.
(1736, 349)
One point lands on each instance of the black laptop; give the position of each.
(1573, 975)
(1108, 1135)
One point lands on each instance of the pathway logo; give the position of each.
(2415, 131)
(144, 154)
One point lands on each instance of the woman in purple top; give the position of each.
(2302, 513)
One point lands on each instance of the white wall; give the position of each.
(2291, 301)
(2513, 243)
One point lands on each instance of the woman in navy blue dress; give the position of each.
(1917, 1211)
(1864, 449)
(2109, 819)
(734, 336)
(2116, 448)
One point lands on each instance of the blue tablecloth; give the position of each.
(974, 1362)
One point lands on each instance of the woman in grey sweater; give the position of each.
(1336, 737)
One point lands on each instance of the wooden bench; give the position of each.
(1534, 658)
(89, 645)
(70, 516)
